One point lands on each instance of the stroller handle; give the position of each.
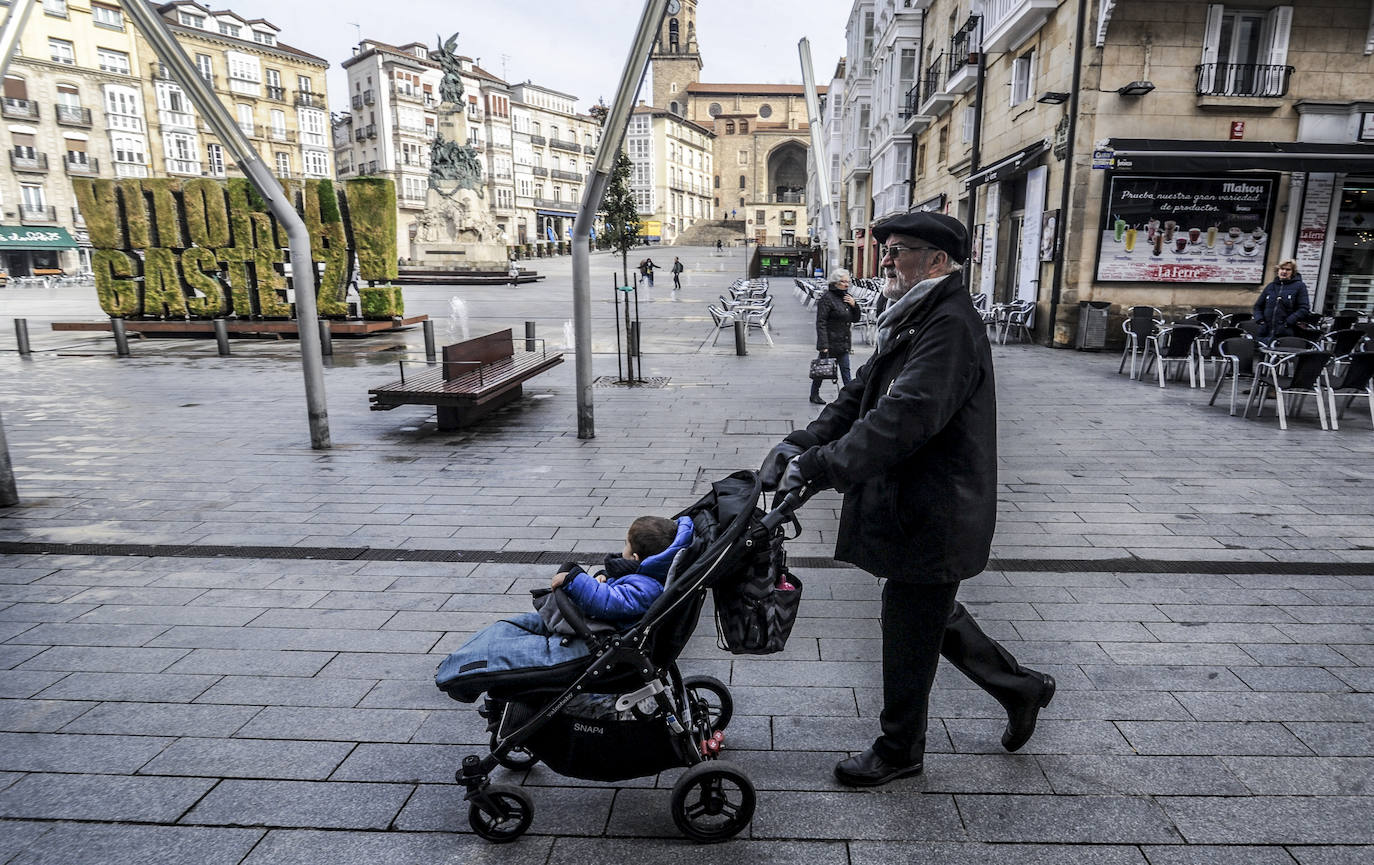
(784, 510)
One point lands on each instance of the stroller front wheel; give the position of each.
(501, 813)
(713, 801)
(711, 698)
(516, 759)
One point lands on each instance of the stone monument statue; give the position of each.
(456, 229)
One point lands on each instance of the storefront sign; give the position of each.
(23, 237)
(1103, 157)
(1367, 126)
(1316, 212)
(1237, 130)
(1185, 228)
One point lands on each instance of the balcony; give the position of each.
(356, 102)
(177, 119)
(913, 120)
(1009, 23)
(560, 174)
(549, 204)
(539, 171)
(368, 98)
(184, 167)
(359, 134)
(22, 109)
(370, 130)
(857, 163)
(407, 94)
(589, 150)
(935, 99)
(310, 99)
(130, 169)
(1238, 81)
(160, 72)
(73, 115)
(27, 159)
(963, 58)
(124, 122)
(82, 167)
(569, 146)
(277, 94)
(539, 140)
(211, 79)
(282, 135)
(788, 198)
(43, 214)
(418, 131)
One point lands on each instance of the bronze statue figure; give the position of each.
(451, 85)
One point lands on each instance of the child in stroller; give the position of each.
(613, 706)
(629, 582)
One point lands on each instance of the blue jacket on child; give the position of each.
(625, 598)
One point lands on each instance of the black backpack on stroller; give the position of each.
(624, 710)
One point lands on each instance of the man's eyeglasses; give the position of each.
(896, 249)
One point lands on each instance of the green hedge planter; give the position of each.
(382, 301)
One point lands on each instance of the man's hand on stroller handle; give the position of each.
(775, 464)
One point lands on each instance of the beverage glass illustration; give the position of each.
(1180, 243)
(1194, 235)
(1169, 227)
(1257, 234)
(1228, 245)
(1153, 226)
(1234, 232)
(1211, 236)
(1248, 247)
(1130, 239)
(1119, 229)
(1159, 243)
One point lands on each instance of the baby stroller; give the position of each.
(614, 706)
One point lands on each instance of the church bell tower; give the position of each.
(675, 60)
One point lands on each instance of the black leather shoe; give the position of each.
(817, 400)
(1021, 720)
(870, 770)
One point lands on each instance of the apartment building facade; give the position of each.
(671, 171)
(85, 97)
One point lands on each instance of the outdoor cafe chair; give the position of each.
(1018, 317)
(1342, 342)
(1173, 345)
(1140, 323)
(1209, 350)
(1233, 319)
(1357, 382)
(757, 318)
(1207, 316)
(1236, 355)
(1308, 378)
(723, 318)
(1250, 326)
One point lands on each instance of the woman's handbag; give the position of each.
(824, 368)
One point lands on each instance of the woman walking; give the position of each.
(836, 312)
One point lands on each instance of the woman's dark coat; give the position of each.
(834, 320)
(911, 442)
(1282, 304)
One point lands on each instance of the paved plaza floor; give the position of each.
(179, 683)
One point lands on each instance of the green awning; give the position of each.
(28, 237)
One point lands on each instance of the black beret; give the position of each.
(940, 231)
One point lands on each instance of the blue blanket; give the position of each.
(509, 655)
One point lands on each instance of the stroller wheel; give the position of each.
(516, 759)
(713, 801)
(711, 699)
(501, 814)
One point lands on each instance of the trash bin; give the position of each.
(1092, 325)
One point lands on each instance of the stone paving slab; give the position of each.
(1208, 621)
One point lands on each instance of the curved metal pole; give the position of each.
(820, 156)
(213, 112)
(612, 136)
(9, 37)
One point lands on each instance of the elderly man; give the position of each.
(911, 443)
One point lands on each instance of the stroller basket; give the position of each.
(615, 706)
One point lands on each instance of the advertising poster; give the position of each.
(1316, 211)
(1185, 228)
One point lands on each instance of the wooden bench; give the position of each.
(476, 377)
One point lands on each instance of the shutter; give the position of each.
(1211, 42)
(15, 88)
(1279, 21)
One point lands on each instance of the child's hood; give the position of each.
(657, 565)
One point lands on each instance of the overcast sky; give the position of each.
(575, 46)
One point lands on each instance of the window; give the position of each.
(186, 19)
(227, 29)
(760, 216)
(906, 72)
(129, 148)
(729, 127)
(942, 144)
(60, 51)
(921, 160)
(744, 157)
(717, 181)
(970, 118)
(110, 60)
(245, 115)
(33, 197)
(278, 123)
(317, 163)
(107, 16)
(205, 66)
(55, 7)
(283, 164)
(714, 110)
(1244, 52)
(1022, 77)
(673, 35)
(68, 96)
(214, 154)
(743, 181)
(765, 111)
(743, 127)
(264, 38)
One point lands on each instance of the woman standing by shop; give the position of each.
(836, 312)
(1283, 303)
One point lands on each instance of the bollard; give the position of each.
(529, 336)
(633, 342)
(326, 339)
(428, 327)
(222, 336)
(120, 337)
(741, 335)
(21, 335)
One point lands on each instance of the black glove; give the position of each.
(776, 463)
(792, 480)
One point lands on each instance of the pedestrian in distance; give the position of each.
(677, 273)
(1283, 303)
(719, 245)
(836, 312)
(646, 270)
(513, 272)
(911, 444)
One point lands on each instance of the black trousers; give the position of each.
(922, 622)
